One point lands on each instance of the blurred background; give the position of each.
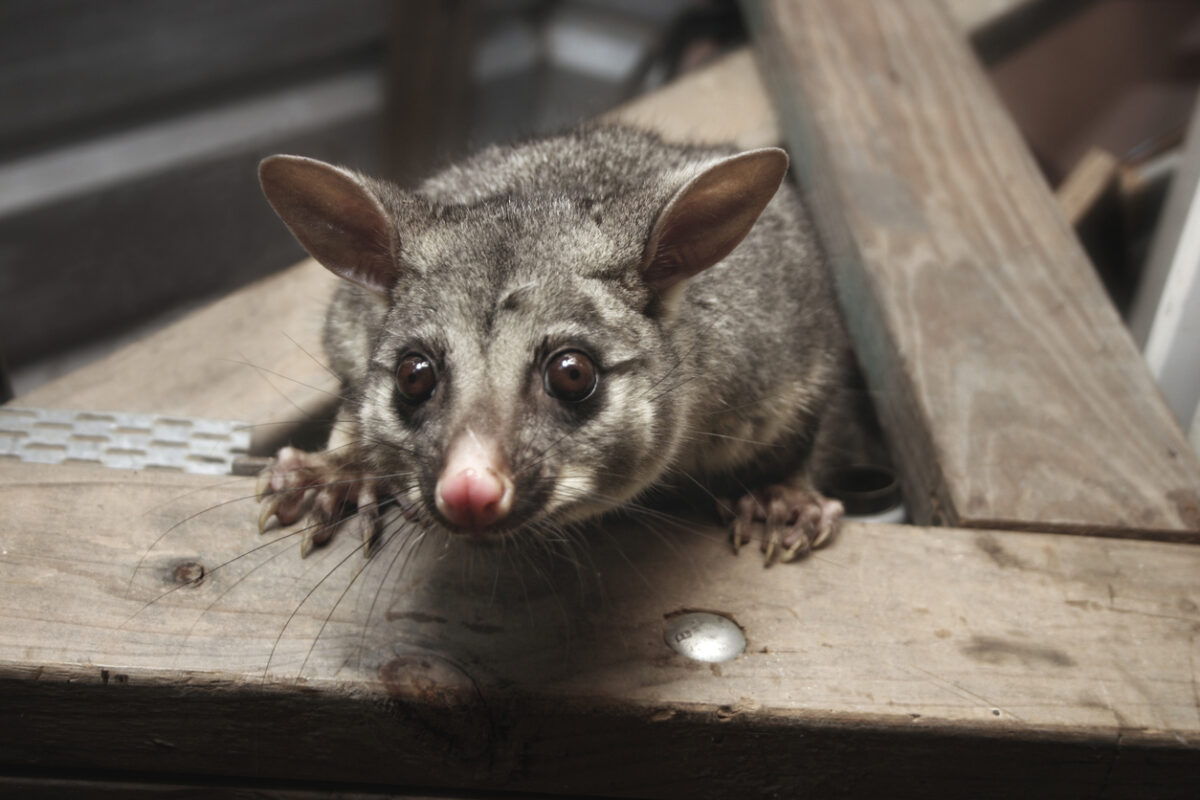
(130, 129)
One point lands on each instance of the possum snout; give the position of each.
(475, 490)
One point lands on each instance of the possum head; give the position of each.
(526, 366)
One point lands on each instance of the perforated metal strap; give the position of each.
(125, 441)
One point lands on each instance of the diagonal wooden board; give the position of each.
(1012, 394)
(1068, 660)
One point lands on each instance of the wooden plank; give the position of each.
(728, 101)
(957, 658)
(255, 356)
(1092, 180)
(1011, 392)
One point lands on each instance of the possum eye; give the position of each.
(415, 378)
(570, 376)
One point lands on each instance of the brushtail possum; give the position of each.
(550, 330)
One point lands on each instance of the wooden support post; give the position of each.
(1011, 392)
(430, 50)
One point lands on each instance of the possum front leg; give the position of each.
(327, 489)
(789, 518)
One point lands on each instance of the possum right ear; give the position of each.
(710, 215)
(337, 218)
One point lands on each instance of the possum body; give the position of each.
(550, 330)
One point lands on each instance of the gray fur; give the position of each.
(522, 250)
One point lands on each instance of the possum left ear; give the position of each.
(336, 216)
(710, 215)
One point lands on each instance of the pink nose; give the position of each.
(474, 498)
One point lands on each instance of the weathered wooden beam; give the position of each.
(998, 664)
(1012, 394)
(254, 356)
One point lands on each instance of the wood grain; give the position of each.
(1012, 394)
(1050, 662)
(255, 356)
(682, 111)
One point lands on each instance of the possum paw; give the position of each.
(789, 521)
(323, 491)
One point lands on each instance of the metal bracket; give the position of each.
(121, 440)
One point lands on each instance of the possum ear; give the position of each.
(710, 215)
(337, 218)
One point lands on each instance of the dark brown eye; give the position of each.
(570, 376)
(415, 378)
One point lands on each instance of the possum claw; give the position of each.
(790, 521)
(262, 486)
(323, 490)
(365, 523)
(315, 536)
(265, 512)
(743, 521)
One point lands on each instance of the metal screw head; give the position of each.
(704, 636)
